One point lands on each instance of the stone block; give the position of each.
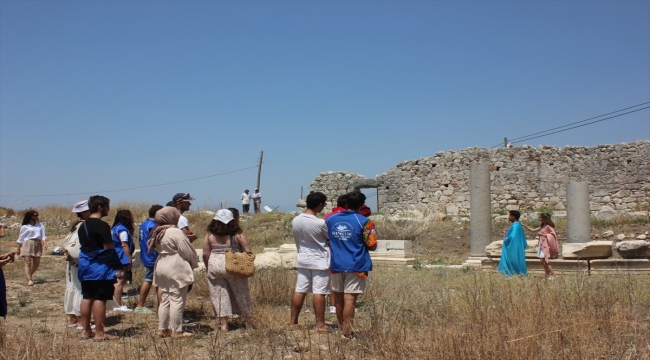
(288, 248)
(633, 249)
(398, 244)
(559, 266)
(619, 266)
(382, 246)
(599, 249)
(392, 261)
(494, 249)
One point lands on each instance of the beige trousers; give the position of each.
(170, 311)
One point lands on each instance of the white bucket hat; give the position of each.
(81, 206)
(224, 215)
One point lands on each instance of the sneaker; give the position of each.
(143, 310)
(332, 309)
(122, 308)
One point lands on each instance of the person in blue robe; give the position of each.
(513, 257)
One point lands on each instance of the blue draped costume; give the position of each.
(513, 258)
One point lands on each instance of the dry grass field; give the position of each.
(406, 313)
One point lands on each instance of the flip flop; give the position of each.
(181, 335)
(30, 283)
(321, 331)
(73, 326)
(92, 335)
(107, 338)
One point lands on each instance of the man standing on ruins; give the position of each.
(352, 236)
(310, 235)
(257, 200)
(245, 202)
(182, 202)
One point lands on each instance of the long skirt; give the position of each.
(72, 298)
(229, 294)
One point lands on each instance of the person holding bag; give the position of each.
(72, 298)
(229, 293)
(547, 243)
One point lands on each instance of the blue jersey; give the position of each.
(118, 243)
(349, 252)
(147, 258)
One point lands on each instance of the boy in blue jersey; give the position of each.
(148, 260)
(352, 236)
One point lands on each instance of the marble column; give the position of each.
(578, 212)
(480, 203)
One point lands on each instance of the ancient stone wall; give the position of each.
(521, 178)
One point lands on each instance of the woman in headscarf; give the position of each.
(31, 243)
(547, 243)
(173, 271)
(229, 294)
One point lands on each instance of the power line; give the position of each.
(577, 126)
(532, 136)
(280, 175)
(137, 187)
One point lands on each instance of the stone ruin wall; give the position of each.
(521, 178)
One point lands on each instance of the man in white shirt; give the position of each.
(182, 203)
(310, 235)
(245, 201)
(257, 200)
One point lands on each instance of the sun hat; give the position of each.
(224, 215)
(81, 206)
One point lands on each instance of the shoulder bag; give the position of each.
(239, 264)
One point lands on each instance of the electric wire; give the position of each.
(551, 131)
(136, 187)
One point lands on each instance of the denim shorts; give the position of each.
(148, 273)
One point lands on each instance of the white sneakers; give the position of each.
(332, 309)
(122, 308)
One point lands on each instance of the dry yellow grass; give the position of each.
(405, 314)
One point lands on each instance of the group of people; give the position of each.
(333, 257)
(100, 259)
(513, 257)
(333, 260)
(246, 198)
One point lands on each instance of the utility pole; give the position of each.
(259, 169)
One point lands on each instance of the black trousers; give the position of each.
(246, 207)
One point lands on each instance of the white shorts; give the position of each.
(348, 283)
(313, 281)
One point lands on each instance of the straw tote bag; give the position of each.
(239, 264)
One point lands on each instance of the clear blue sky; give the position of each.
(105, 95)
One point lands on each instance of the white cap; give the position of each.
(224, 215)
(81, 206)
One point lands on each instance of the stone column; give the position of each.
(480, 204)
(578, 212)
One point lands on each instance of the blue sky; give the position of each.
(107, 95)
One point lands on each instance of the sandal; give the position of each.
(164, 333)
(181, 335)
(85, 336)
(71, 326)
(322, 331)
(30, 283)
(107, 338)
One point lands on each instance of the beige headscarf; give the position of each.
(166, 218)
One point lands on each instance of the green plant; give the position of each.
(417, 264)
(23, 299)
